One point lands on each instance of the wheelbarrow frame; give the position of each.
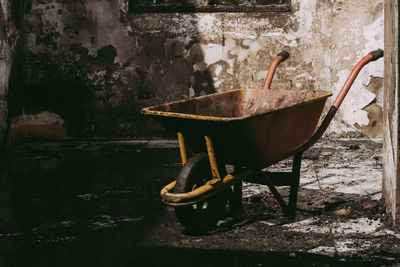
(271, 179)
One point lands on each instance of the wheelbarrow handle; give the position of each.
(281, 57)
(376, 54)
(372, 56)
(284, 54)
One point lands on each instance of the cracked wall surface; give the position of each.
(95, 65)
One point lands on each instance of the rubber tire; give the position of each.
(202, 216)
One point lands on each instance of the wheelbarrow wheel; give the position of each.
(204, 215)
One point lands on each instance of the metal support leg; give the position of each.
(272, 179)
(295, 183)
(236, 199)
(277, 196)
(213, 160)
(182, 148)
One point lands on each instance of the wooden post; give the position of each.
(391, 166)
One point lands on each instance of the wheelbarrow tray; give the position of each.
(248, 127)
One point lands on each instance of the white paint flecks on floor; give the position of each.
(344, 170)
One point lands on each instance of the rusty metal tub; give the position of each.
(252, 127)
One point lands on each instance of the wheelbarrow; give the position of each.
(250, 129)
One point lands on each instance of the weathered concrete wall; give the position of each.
(356, 32)
(391, 171)
(95, 65)
(9, 19)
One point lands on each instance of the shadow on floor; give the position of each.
(151, 256)
(98, 204)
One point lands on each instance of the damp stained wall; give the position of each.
(8, 41)
(89, 66)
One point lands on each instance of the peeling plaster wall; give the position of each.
(95, 65)
(362, 33)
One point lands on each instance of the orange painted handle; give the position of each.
(281, 57)
(372, 56)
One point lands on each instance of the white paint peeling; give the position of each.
(351, 246)
(218, 83)
(206, 21)
(230, 70)
(212, 54)
(304, 75)
(357, 98)
(342, 234)
(240, 35)
(390, 232)
(218, 70)
(279, 33)
(357, 226)
(312, 224)
(364, 34)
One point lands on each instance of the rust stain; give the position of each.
(375, 85)
(238, 103)
(375, 125)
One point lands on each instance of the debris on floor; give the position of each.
(98, 203)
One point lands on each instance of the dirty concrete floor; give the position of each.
(97, 204)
